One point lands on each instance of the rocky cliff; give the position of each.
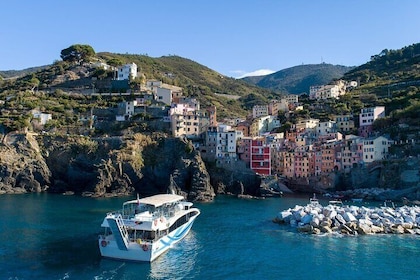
(108, 166)
(22, 167)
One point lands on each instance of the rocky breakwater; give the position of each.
(351, 220)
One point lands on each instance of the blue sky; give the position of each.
(232, 37)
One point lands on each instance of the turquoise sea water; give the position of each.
(44, 236)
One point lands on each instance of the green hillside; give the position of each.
(298, 79)
(198, 81)
(391, 79)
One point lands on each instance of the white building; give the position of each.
(103, 65)
(127, 72)
(292, 98)
(153, 85)
(375, 148)
(125, 110)
(43, 118)
(351, 84)
(259, 111)
(368, 115)
(226, 142)
(168, 93)
(266, 124)
(324, 128)
(366, 118)
(327, 91)
(308, 124)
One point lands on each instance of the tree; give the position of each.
(77, 53)
(33, 83)
(115, 62)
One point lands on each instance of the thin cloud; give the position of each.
(261, 72)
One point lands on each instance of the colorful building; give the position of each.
(260, 157)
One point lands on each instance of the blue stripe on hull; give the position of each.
(166, 242)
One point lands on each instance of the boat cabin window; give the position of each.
(134, 208)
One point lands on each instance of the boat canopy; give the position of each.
(157, 200)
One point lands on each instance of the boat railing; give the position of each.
(142, 218)
(137, 216)
(120, 223)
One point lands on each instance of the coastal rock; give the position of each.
(316, 231)
(397, 229)
(108, 166)
(315, 221)
(326, 223)
(364, 229)
(284, 216)
(376, 229)
(326, 229)
(298, 215)
(348, 217)
(305, 228)
(306, 219)
(353, 220)
(340, 219)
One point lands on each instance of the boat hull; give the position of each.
(143, 251)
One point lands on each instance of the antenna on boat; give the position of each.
(171, 189)
(138, 199)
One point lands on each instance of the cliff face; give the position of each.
(102, 167)
(235, 178)
(22, 167)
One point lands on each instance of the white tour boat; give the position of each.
(147, 227)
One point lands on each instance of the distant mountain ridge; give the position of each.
(19, 73)
(298, 79)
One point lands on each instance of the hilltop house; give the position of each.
(327, 91)
(127, 72)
